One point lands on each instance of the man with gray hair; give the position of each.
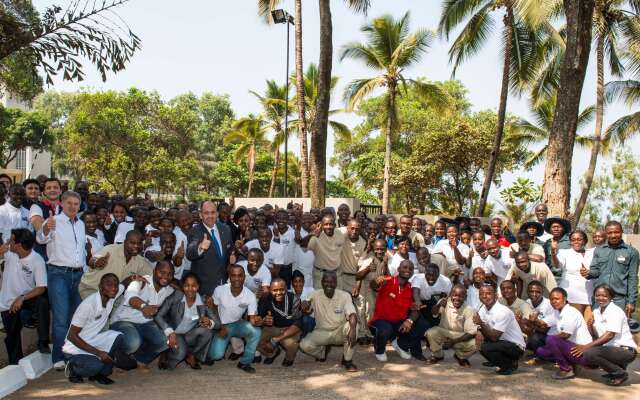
(64, 236)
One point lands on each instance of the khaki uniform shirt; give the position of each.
(519, 306)
(538, 272)
(351, 253)
(117, 265)
(328, 250)
(331, 313)
(458, 319)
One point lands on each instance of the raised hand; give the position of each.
(205, 243)
(584, 271)
(268, 320)
(50, 224)
(102, 261)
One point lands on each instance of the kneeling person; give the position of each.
(134, 318)
(336, 322)
(281, 320)
(91, 349)
(456, 329)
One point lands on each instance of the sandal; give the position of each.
(617, 381)
(463, 362)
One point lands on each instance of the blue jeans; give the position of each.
(143, 341)
(64, 298)
(88, 365)
(308, 324)
(384, 331)
(240, 329)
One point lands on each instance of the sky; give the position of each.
(225, 48)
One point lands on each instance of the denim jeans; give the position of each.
(64, 298)
(88, 365)
(240, 329)
(143, 341)
(308, 324)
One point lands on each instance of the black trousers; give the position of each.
(613, 360)
(535, 340)
(501, 353)
(13, 325)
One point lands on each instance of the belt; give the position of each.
(631, 349)
(322, 269)
(348, 273)
(65, 269)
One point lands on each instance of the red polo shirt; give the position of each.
(393, 302)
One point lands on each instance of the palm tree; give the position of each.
(610, 20)
(318, 153)
(390, 49)
(310, 84)
(538, 131)
(251, 133)
(519, 42)
(264, 9)
(273, 112)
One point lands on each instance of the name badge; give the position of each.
(338, 311)
(621, 259)
(243, 305)
(98, 317)
(195, 318)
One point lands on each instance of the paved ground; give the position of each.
(308, 379)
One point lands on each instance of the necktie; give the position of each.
(216, 245)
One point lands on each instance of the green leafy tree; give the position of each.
(519, 199)
(520, 40)
(19, 130)
(61, 39)
(251, 133)
(390, 49)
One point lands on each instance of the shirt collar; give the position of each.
(198, 301)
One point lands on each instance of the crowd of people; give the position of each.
(114, 282)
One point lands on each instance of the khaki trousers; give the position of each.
(289, 344)
(315, 342)
(365, 306)
(317, 278)
(436, 337)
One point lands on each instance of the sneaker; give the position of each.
(563, 374)
(403, 354)
(59, 365)
(381, 357)
(234, 356)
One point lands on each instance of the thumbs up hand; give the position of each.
(206, 242)
(268, 320)
(102, 261)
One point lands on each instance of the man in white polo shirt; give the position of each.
(503, 340)
(24, 285)
(498, 260)
(273, 254)
(232, 300)
(286, 237)
(92, 349)
(134, 317)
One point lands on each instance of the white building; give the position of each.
(29, 162)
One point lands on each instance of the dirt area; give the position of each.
(307, 379)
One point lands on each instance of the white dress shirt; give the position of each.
(66, 243)
(12, 218)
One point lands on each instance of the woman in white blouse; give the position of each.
(613, 348)
(404, 246)
(570, 329)
(455, 252)
(571, 261)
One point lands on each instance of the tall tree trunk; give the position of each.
(556, 191)
(276, 163)
(319, 133)
(391, 107)
(302, 126)
(252, 166)
(595, 148)
(502, 112)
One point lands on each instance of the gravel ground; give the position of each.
(308, 379)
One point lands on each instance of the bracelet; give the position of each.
(273, 342)
(410, 320)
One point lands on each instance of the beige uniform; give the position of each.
(328, 253)
(519, 307)
(349, 257)
(537, 272)
(534, 249)
(454, 323)
(332, 324)
(117, 265)
(366, 301)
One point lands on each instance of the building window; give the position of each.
(21, 160)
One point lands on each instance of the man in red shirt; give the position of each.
(394, 313)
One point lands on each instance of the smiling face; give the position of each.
(278, 290)
(557, 299)
(390, 228)
(493, 248)
(496, 227)
(119, 213)
(508, 290)
(264, 238)
(602, 296)
(328, 225)
(353, 230)
(298, 284)
(344, 212)
(32, 191)
(522, 262)
(379, 249)
(254, 261)
(90, 223)
(614, 234)
(163, 273)
(416, 224)
(329, 283)
(16, 195)
(405, 270)
(478, 275)
(487, 295)
(403, 247)
(405, 225)
(109, 286)
(431, 275)
(535, 293)
(541, 212)
(282, 219)
(440, 229)
(190, 288)
(478, 240)
(557, 230)
(458, 295)
(578, 241)
(423, 256)
(236, 277)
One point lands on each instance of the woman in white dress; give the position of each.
(404, 246)
(456, 254)
(570, 262)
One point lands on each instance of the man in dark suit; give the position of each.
(209, 249)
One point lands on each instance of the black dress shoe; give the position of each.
(420, 357)
(208, 362)
(234, 356)
(101, 379)
(76, 379)
(287, 363)
(246, 368)
(488, 364)
(270, 360)
(257, 359)
(44, 348)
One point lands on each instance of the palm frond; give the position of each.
(472, 37)
(358, 89)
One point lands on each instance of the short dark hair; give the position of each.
(29, 181)
(52, 179)
(109, 275)
(559, 290)
(581, 233)
(189, 275)
(297, 274)
(613, 223)
(24, 237)
(535, 283)
(605, 287)
(432, 267)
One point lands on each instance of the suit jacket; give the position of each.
(172, 310)
(210, 268)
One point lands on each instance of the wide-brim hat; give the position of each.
(539, 228)
(557, 220)
(458, 220)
